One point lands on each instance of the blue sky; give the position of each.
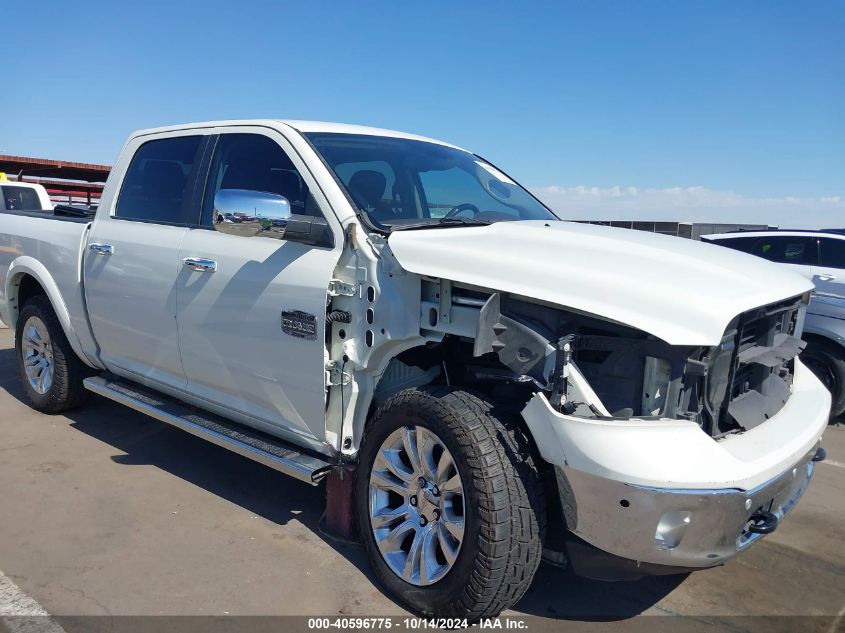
(722, 111)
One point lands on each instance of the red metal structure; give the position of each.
(65, 181)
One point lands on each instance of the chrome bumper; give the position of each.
(677, 527)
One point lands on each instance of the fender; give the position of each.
(26, 265)
(825, 326)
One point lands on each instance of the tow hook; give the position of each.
(763, 522)
(820, 455)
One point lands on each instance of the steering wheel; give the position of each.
(466, 206)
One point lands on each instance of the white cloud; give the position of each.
(692, 204)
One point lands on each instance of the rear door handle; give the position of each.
(200, 264)
(101, 249)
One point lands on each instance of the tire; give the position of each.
(502, 503)
(827, 361)
(62, 389)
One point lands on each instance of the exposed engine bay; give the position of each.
(593, 368)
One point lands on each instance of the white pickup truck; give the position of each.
(323, 298)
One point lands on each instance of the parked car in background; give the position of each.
(824, 331)
(819, 256)
(23, 196)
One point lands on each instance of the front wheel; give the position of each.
(449, 504)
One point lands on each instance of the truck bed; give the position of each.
(46, 246)
(47, 215)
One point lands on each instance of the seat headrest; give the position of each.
(368, 185)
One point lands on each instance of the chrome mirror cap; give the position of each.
(251, 213)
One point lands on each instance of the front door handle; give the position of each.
(200, 264)
(101, 249)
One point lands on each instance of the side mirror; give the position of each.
(251, 213)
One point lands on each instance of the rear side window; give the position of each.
(832, 253)
(786, 250)
(157, 186)
(744, 244)
(20, 198)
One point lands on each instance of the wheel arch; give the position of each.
(28, 277)
(403, 354)
(824, 328)
(364, 405)
(830, 353)
(823, 338)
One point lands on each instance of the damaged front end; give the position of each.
(593, 368)
(663, 454)
(666, 457)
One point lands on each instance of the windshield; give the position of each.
(404, 183)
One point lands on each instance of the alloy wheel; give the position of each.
(37, 352)
(416, 505)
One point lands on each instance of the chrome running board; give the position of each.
(252, 444)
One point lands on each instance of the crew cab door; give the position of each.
(130, 263)
(242, 351)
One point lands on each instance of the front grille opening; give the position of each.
(757, 390)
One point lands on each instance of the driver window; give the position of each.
(254, 163)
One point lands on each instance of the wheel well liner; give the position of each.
(28, 287)
(450, 355)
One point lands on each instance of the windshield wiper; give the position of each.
(441, 222)
(455, 219)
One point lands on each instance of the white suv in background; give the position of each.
(820, 256)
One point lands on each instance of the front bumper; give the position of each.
(677, 527)
(663, 492)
